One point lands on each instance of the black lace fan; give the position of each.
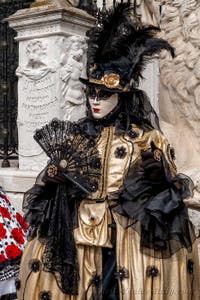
(67, 146)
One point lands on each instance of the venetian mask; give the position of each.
(102, 102)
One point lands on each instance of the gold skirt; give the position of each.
(171, 281)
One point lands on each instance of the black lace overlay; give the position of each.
(51, 205)
(49, 210)
(59, 256)
(157, 211)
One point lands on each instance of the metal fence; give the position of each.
(8, 81)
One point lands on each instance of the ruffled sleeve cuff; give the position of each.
(158, 213)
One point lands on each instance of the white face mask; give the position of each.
(101, 107)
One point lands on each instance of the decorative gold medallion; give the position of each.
(52, 170)
(111, 80)
(157, 154)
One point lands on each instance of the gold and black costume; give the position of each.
(107, 214)
(150, 235)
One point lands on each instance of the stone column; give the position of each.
(150, 83)
(52, 48)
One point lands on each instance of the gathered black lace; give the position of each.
(157, 212)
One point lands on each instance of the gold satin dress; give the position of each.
(172, 280)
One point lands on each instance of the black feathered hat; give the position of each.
(119, 49)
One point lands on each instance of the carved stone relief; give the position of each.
(73, 66)
(180, 88)
(38, 101)
(180, 78)
(149, 11)
(36, 67)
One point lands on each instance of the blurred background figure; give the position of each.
(13, 231)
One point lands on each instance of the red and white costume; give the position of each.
(13, 232)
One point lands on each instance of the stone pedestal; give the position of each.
(16, 182)
(52, 49)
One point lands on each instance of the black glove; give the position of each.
(54, 173)
(152, 164)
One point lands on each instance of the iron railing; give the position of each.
(8, 81)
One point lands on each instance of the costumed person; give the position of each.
(13, 232)
(107, 213)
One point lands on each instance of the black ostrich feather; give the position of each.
(123, 46)
(144, 53)
(102, 36)
(155, 45)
